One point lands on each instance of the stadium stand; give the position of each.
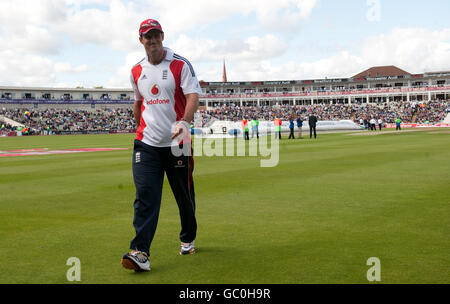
(68, 121)
(434, 112)
(113, 120)
(385, 93)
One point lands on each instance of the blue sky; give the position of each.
(69, 43)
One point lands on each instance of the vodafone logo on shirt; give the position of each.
(157, 101)
(155, 91)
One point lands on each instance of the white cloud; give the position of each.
(253, 48)
(415, 50)
(284, 15)
(116, 27)
(26, 26)
(249, 51)
(174, 19)
(115, 23)
(121, 77)
(34, 33)
(275, 15)
(33, 70)
(17, 14)
(65, 67)
(85, 2)
(32, 39)
(337, 66)
(412, 49)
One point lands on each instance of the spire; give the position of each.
(224, 73)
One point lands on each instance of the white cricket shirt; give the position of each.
(162, 89)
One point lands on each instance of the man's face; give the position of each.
(152, 41)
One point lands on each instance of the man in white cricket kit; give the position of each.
(166, 98)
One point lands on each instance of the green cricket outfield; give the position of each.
(317, 217)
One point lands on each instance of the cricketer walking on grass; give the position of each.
(166, 97)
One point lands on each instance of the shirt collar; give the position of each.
(169, 55)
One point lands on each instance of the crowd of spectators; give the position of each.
(433, 111)
(122, 119)
(387, 112)
(283, 112)
(6, 127)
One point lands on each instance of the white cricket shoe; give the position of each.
(187, 248)
(136, 260)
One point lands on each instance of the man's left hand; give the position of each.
(180, 127)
